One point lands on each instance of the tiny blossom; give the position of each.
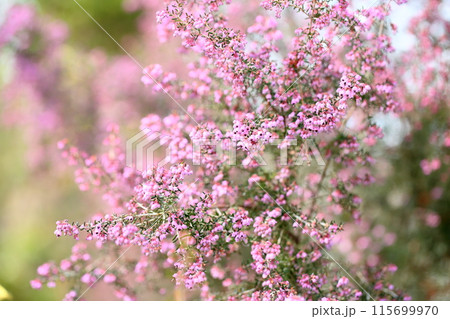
(342, 282)
(109, 278)
(44, 269)
(66, 229)
(428, 166)
(70, 296)
(264, 255)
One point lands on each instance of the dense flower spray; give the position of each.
(305, 70)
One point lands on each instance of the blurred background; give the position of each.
(69, 80)
(64, 78)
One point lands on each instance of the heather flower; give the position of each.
(109, 278)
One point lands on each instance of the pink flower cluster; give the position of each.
(194, 218)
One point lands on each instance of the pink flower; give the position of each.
(227, 282)
(36, 284)
(51, 284)
(429, 166)
(109, 278)
(87, 279)
(65, 264)
(44, 270)
(432, 219)
(217, 272)
(343, 281)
